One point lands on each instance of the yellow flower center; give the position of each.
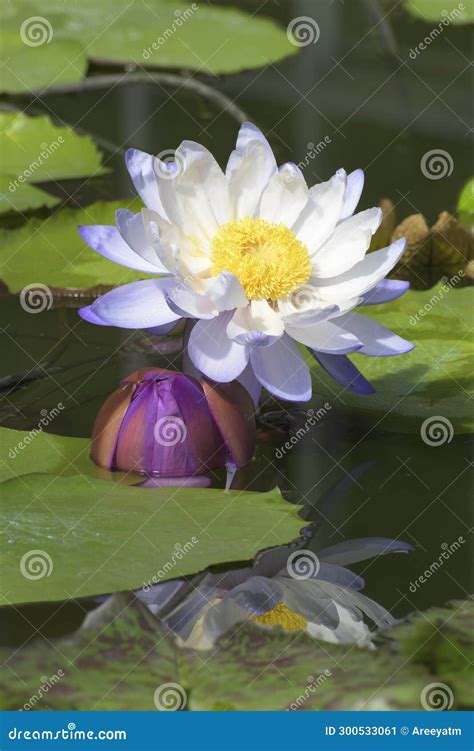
(281, 615)
(268, 259)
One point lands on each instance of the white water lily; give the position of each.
(259, 262)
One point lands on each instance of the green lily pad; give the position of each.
(25, 68)
(466, 205)
(16, 196)
(23, 452)
(159, 33)
(121, 657)
(95, 536)
(432, 379)
(35, 150)
(66, 260)
(437, 10)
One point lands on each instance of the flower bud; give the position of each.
(161, 422)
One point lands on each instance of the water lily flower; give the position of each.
(260, 263)
(165, 423)
(326, 601)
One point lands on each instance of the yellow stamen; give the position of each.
(281, 615)
(268, 259)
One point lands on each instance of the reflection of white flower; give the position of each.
(327, 605)
(259, 262)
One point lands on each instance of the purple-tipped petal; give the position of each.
(385, 291)
(344, 372)
(377, 340)
(88, 315)
(108, 241)
(139, 305)
(282, 370)
(213, 353)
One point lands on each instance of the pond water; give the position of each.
(362, 97)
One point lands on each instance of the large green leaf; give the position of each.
(57, 62)
(96, 536)
(24, 452)
(432, 379)
(16, 196)
(466, 205)
(158, 33)
(438, 10)
(35, 150)
(122, 656)
(66, 260)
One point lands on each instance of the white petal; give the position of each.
(196, 199)
(347, 245)
(257, 323)
(108, 241)
(354, 187)
(213, 353)
(225, 291)
(284, 197)
(141, 168)
(377, 340)
(318, 219)
(282, 370)
(325, 337)
(248, 171)
(190, 304)
(132, 228)
(361, 277)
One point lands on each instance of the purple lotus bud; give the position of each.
(165, 423)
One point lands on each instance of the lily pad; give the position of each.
(66, 260)
(96, 536)
(159, 33)
(37, 65)
(432, 379)
(16, 196)
(35, 150)
(436, 10)
(466, 205)
(121, 656)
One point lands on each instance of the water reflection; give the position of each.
(290, 587)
